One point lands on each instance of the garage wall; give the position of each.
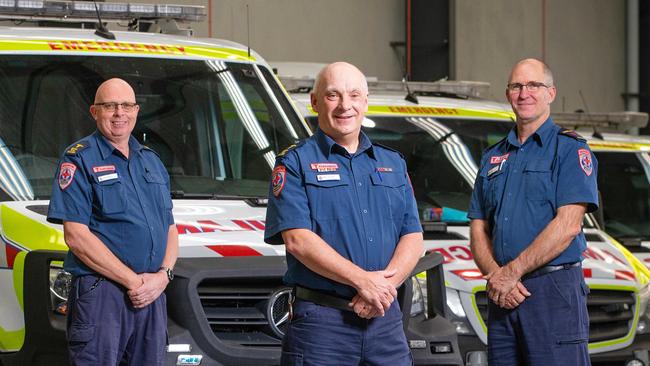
(583, 41)
(357, 31)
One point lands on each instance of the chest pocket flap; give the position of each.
(110, 193)
(537, 179)
(326, 179)
(152, 177)
(392, 179)
(539, 166)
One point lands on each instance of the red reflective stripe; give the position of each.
(242, 224)
(185, 228)
(258, 224)
(586, 272)
(11, 252)
(235, 250)
(624, 275)
(468, 274)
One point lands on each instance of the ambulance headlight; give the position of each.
(419, 300)
(60, 283)
(644, 310)
(456, 313)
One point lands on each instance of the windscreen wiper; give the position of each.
(253, 200)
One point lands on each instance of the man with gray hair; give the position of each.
(345, 209)
(530, 197)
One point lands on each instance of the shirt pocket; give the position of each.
(111, 195)
(158, 185)
(389, 189)
(537, 180)
(493, 186)
(329, 197)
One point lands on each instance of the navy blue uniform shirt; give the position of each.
(125, 202)
(360, 204)
(520, 187)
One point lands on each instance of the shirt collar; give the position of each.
(106, 148)
(328, 145)
(541, 135)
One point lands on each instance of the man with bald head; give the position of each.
(345, 210)
(530, 197)
(112, 196)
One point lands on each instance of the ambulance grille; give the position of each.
(611, 313)
(236, 312)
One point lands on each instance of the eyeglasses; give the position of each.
(112, 106)
(531, 86)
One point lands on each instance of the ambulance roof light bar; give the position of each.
(467, 88)
(602, 122)
(84, 11)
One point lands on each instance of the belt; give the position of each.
(549, 269)
(322, 298)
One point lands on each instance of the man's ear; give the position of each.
(314, 101)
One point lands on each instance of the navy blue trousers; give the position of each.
(104, 329)
(319, 335)
(551, 327)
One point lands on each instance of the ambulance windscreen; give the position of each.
(216, 125)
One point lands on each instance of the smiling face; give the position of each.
(531, 107)
(115, 125)
(341, 101)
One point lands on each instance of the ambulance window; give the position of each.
(624, 183)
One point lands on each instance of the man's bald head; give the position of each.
(115, 86)
(533, 62)
(338, 67)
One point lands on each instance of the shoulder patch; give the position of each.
(572, 134)
(76, 148)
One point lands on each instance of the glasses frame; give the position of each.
(113, 106)
(531, 86)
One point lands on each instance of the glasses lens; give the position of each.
(127, 107)
(514, 87)
(532, 86)
(112, 106)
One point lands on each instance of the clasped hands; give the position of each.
(150, 288)
(375, 295)
(505, 289)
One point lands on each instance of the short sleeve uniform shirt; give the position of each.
(520, 187)
(360, 204)
(125, 202)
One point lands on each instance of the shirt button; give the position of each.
(359, 184)
(506, 219)
(365, 211)
(509, 194)
(369, 239)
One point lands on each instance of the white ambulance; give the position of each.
(217, 116)
(623, 176)
(442, 129)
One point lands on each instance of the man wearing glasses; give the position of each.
(529, 200)
(112, 196)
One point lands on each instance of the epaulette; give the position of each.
(76, 148)
(291, 147)
(388, 148)
(147, 148)
(572, 134)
